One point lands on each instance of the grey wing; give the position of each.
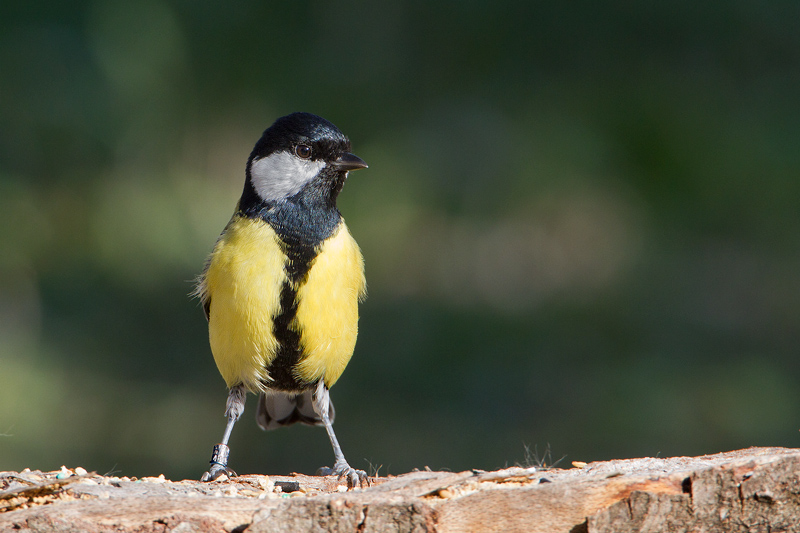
(200, 292)
(200, 289)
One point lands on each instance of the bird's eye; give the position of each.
(303, 151)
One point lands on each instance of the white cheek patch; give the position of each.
(282, 174)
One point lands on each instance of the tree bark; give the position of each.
(751, 490)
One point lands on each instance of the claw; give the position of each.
(217, 471)
(219, 464)
(355, 478)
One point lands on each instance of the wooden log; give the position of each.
(757, 489)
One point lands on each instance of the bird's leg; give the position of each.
(234, 408)
(355, 478)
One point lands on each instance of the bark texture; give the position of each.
(751, 490)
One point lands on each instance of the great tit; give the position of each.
(281, 288)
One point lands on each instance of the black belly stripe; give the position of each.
(281, 370)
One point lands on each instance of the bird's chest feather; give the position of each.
(327, 308)
(270, 328)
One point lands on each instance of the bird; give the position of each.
(281, 288)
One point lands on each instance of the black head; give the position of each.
(325, 139)
(299, 154)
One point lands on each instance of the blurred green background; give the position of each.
(581, 224)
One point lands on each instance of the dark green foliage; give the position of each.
(580, 224)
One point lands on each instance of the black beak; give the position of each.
(348, 161)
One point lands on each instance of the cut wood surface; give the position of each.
(756, 489)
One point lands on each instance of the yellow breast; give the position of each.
(327, 311)
(243, 282)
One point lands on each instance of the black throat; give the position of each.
(304, 219)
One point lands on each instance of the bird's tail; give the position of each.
(276, 409)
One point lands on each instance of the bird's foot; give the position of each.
(216, 472)
(355, 478)
(219, 464)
